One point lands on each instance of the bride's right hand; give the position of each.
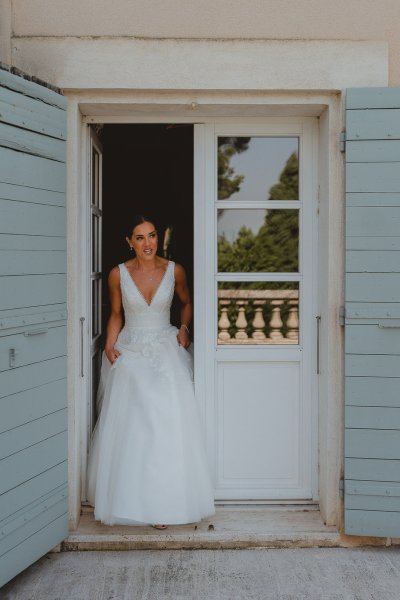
(112, 354)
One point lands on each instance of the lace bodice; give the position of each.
(138, 313)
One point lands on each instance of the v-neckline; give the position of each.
(138, 289)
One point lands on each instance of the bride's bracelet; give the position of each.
(185, 326)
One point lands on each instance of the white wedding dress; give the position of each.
(147, 462)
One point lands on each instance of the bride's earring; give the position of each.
(131, 249)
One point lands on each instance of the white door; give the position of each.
(96, 275)
(93, 246)
(255, 211)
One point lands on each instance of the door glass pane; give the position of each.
(96, 366)
(95, 177)
(258, 168)
(251, 240)
(95, 243)
(258, 312)
(95, 307)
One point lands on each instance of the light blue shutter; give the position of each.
(372, 324)
(33, 404)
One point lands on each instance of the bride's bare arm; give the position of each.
(182, 291)
(114, 324)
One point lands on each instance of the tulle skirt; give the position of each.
(147, 461)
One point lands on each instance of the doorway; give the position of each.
(134, 169)
(241, 201)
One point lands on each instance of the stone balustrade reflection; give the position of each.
(234, 323)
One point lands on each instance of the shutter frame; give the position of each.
(33, 316)
(372, 313)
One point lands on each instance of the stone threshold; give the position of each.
(233, 526)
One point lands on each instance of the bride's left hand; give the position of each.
(183, 338)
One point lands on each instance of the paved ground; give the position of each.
(257, 574)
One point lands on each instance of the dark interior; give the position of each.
(147, 169)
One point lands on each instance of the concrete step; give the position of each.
(252, 526)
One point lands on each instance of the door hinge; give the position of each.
(343, 141)
(342, 315)
(341, 488)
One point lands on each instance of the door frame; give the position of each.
(85, 108)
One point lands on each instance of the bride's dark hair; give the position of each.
(136, 220)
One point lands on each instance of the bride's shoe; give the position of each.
(159, 526)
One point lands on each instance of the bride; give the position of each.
(147, 463)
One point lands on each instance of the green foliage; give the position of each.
(288, 186)
(228, 182)
(275, 247)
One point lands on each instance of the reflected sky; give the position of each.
(261, 164)
(230, 221)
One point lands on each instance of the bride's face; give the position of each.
(144, 240)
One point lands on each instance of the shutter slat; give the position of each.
(10, 242)
(372, 322)
(40, 262)
(20, 218)
(372, 243)
(372, 199)
(33, 383)
(372, 391)
(32, 290)
(368, 261)
(372, 177)
(378, 311)
(369, 151)
(9, 191)
(31, 376)
(34, 345)
(372, 97)
(32, 143)
(373, 221)
(372, 443)
(378, 124)
(33, 473)
(28, 113)
(33, 521)
(29, 549)
(372, 365)
(32, 90)
(372, 522)
(372, 417)
(33, 404)
(372, 469)
(31, 433)
(372, 339)
(31, 171)
(373, 287)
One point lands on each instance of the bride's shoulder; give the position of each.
(179, 271)
(114, 274)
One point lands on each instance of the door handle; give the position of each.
(82, 320)
(318, 317)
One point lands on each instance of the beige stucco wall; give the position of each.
(353, 20)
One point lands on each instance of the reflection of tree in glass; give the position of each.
(287, 187)
(238, 256)
(275, 247)
(228, 182)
